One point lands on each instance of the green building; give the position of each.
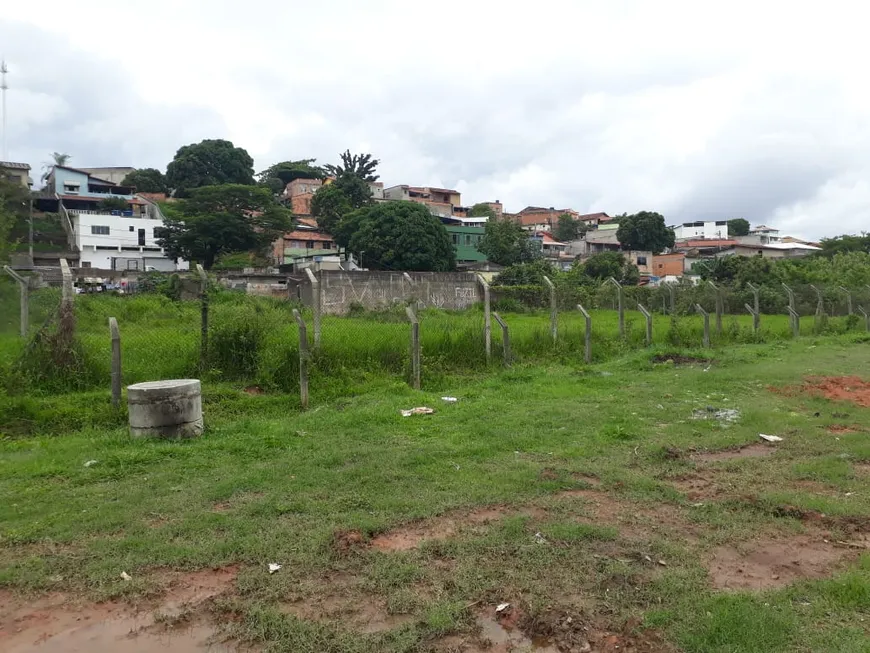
(465, 241)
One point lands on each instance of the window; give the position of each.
(141, 238)
(132, 265)
(99, 230)
(641, 260)
(455, 238)
(132, 228)
(86, 264)
(721, 223)
(70, 188)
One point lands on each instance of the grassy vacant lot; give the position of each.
(611, 506)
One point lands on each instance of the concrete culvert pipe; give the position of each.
(165, 409)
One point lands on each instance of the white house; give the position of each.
(118, 242)
(701, 229)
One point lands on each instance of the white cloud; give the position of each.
(753, 109)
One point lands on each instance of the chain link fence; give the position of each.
(189, 327)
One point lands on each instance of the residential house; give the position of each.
(299, 193)
(594, 219)
(106, 238)
(771, 250)
(800, 241)
(112, 174)
(497, 208)
(709, 229)
(760, 235)
(701, 248)
(642, 260)
(465, 241)
(537, 218)
(442, 202)
(668, 265)
(552, 248)
(17, 173)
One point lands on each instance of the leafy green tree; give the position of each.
(209, 163)
(14, 203)
(357, 191)
(329, 205)
(277, 177)
(505, 242)
(604, 265)
(568, 229)
(844, 244)
(57, 159)
(738, 227)
(526, 274)
(482, 210)
(361, 165)
(398, 236)
(147, 180)
(113, 204)
(218, 220)
(645, 231)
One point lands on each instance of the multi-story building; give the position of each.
(760, 235)
(442, 202)
(17, 173)
(537, 218)
(300, 192)
(714, 229)
(465, 241)
(112, 174)
(109, 225)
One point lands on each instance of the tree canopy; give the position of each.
(505, 242)
(14, 202)
(361, 165)
(525, 274)
(645, 231)
(209, 163)
(568, 229)
(398, 236)
(738, 227)
(844, 244)
(328, 206)
(482, 210)
(147, 180)
(276, 177)
(218, 220)
(605, 265)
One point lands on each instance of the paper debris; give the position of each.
(126, 576)
(419, 410)
(540, 539)
(450, 400)
(90, 463)
(273, 567)
(501, 607)
(770, 438)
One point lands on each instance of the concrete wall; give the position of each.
(374, 290)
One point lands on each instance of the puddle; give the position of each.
(503, 637)
(747, 451)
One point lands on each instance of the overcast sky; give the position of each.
(757, 109)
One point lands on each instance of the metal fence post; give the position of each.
(115, 335)
(303, 359)
(620, 305)
(848, 299)
(487, 321)
(866, 316)
(554, 314)
(24, 290)
(706, 315)
(649, 324)
(316, 304)
(505, 339)
(587, 351)
(415, 347)
(203, 329)
(795, 320)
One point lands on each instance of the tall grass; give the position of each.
(255, 341)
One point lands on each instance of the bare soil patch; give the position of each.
(839, 429)
(757, 450)
(59, 623)
(837, 388)
(697, 487)
(775, 562)
(346, 541)
(358, 613)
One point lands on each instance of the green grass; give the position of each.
(269, 483)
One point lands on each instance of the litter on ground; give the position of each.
(273, 567)
(450, 400)
(90, 463)
(769, 438)
(727, 415)
(501, 607)
(419, 410)
(126, 576)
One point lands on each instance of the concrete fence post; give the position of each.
(304, 357)
(115, 335)
(866, 317)
(755, 296)
(706, 315)
(620, 306)
(792, 310)
(672, 291)
(848, 294)
(720, 307)
(554, 311)
(316, 304)
(505, 339)
(587, 336)
(203, 328)
(415, 347)
(820, 303)
(487, 320)
(649, 323)
(24, 300)
(412, 297)
(756, 322)
(795, 320)
(67, 293)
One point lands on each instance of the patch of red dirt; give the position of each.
(415, 534)
(697, 488)
(254, 390)
(746, 451)
(345, 541)
(838, 429)
(58, 623)
(358, 613)
(772, 562)
(837, 388)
